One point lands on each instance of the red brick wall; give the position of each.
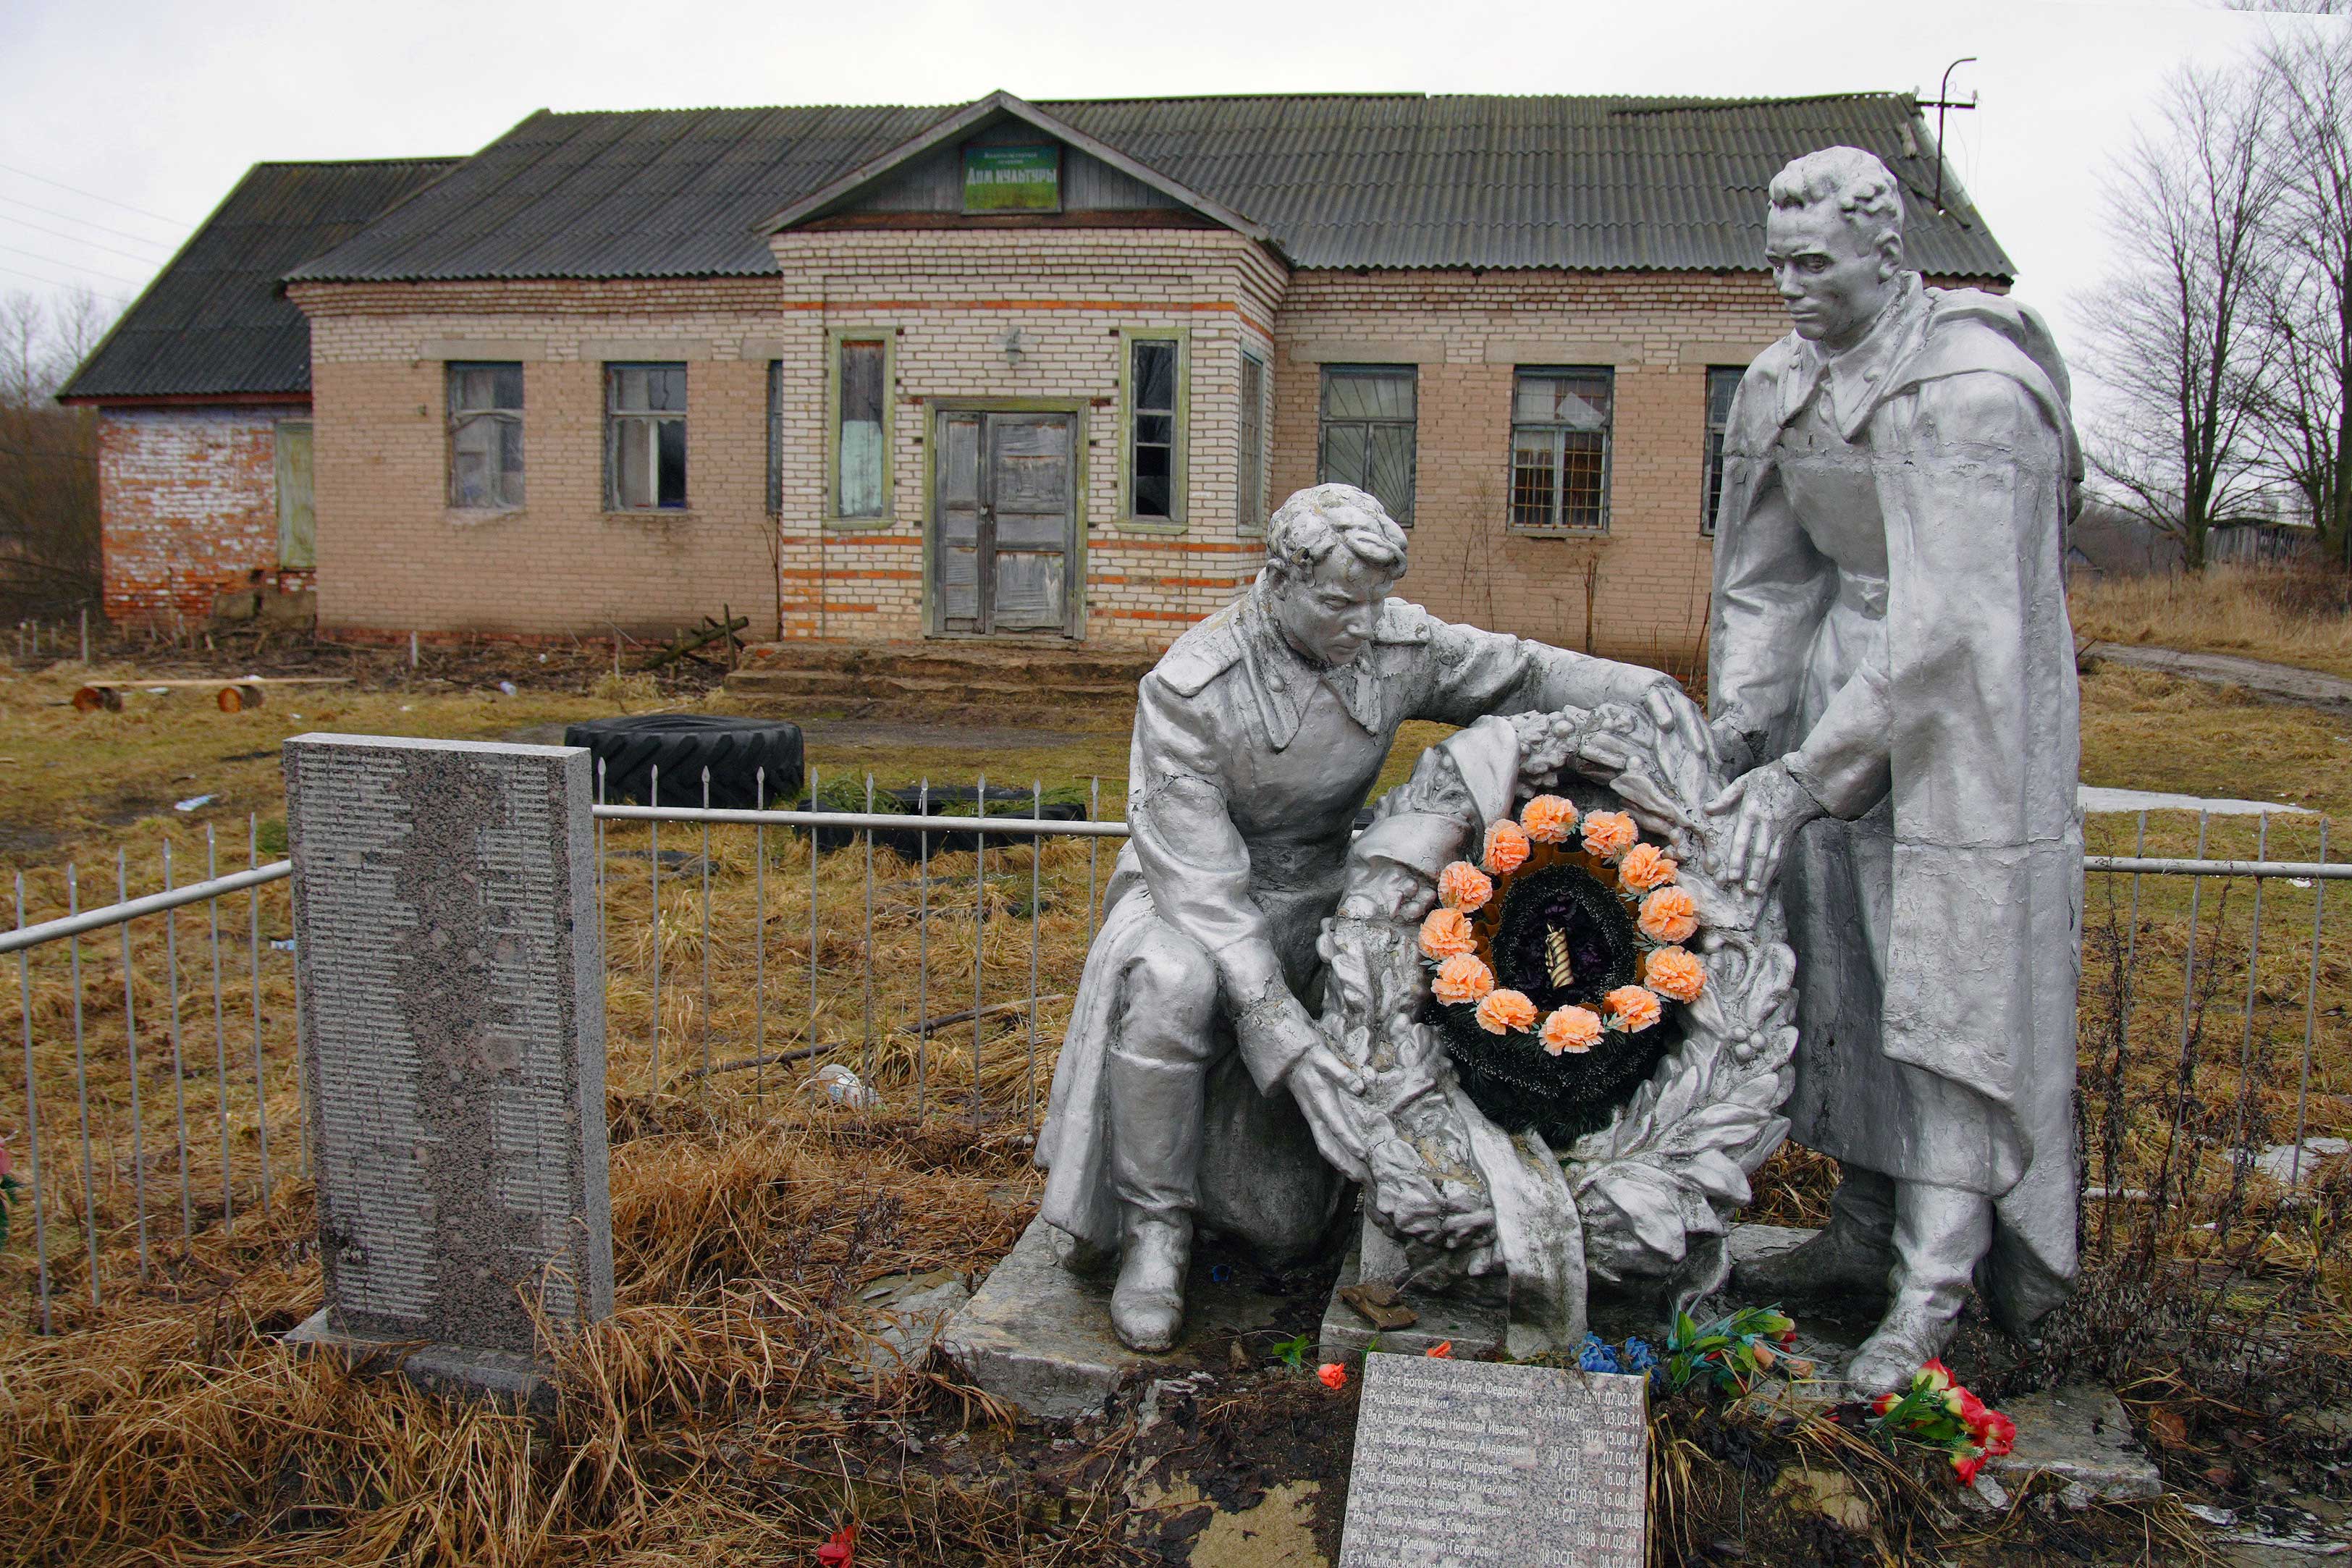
(187, 506)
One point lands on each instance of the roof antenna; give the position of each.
(1944, 101)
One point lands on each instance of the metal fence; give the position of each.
(158, 1029)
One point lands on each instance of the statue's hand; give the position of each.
(1766, 806)
(1331, 1093)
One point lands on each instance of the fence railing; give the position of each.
(927, 959)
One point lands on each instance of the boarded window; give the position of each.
(645, 436)
(1722, 381)
(484, 435)
(1151, 437)
(775, 437)
(297, 522)
(859, 447)
(1367, 432)
(1559, 449)
(1250, 506)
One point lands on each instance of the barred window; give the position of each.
(1249, 508)
(1559, 449)
(645, 436)
(1722, 381)
(484, 435)
(1367, 432)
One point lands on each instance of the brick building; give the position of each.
(1030, 370)
(204, 393)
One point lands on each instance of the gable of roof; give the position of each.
(214, 322)
(1378, 179)
(995, 108)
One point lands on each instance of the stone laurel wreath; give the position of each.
(1654, 1190)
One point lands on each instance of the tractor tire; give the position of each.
(681, 745)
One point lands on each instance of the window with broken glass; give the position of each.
(484, 435)
(1368, 430)
(1559, 449)
(1722, 381)
(645, 436)
(1151, 428)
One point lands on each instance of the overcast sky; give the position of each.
(158, 108)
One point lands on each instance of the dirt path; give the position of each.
(2279, 682)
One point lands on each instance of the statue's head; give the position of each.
(1833, 239)
(1332, 554)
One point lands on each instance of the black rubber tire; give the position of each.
(944, 800)
(682, 745)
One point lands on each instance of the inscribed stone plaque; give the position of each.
(1480, 1465)
(453, 1045)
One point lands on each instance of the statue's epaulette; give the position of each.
(1203, 654)
(1403, 621)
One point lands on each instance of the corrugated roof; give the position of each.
(213, 322)
(1389, 181)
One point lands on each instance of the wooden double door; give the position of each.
(1004, 536)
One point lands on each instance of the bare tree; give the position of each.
(2177, 330)
(2306, 402)
(48, 457)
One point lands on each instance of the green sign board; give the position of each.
(1012, 178)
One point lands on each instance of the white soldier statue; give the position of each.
(1195, 1092)
(1893, 683)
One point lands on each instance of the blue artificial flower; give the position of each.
(1639, 1356)
(1597, 1356)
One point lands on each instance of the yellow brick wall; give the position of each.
(392, 557)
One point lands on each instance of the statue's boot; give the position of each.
(1155, 1127)
(1854, 1254)
(1940, 1236)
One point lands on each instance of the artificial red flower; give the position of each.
(841, 1552)
(1996, 1433)
(1932, 1373)
(1442, 1351)
(1967, 1468)
(1885, 1403)
(1788, 1336)
(1334, 1375)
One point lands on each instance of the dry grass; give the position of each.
(2287, 615)
(711, 1417)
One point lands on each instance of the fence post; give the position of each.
(453, 1038)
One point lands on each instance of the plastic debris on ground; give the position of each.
(193, 802)
(843, 1086)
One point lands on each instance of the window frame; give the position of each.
(836, 340)
(1179, 516)
(1324, 423)
(1556, 529)
(451, 415)
(1711, 446)
(289, 531)
(775, 437)
(1250, 510)
(614, 418)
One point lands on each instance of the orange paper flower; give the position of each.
(1442, 1351)
(1334, 1375)
(1462, 978)
(1609, 833)
(1575, 1030)
(1507, 847)
(1668, 915)
(1504, 1012)
(1673, 973)
(1447, 932)
(1547, 819)
(1631, 1008)
(1644, 867)
(1464, 887)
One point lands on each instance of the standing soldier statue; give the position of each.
(1195, 1090)
(1893, 679)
